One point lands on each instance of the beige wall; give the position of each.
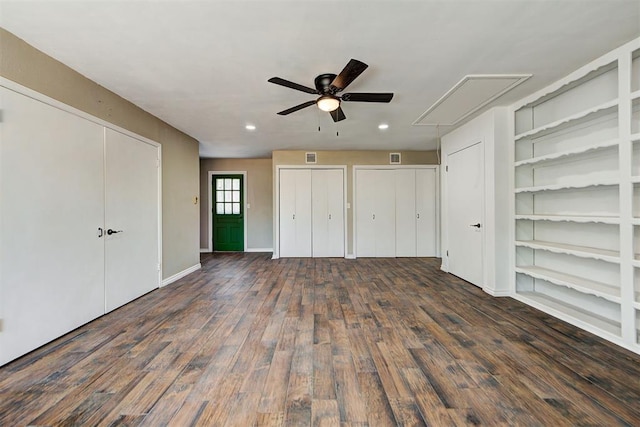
(259, 195)
(29, 67)
(351, 158)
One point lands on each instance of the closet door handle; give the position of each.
(294, 216)
(329, 216)
(418, 216)
(110, 231)
(374, 216)
(100, 232)
(475, 225)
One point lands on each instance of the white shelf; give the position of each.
(635, 137)
(541, 301)
(568, 186)
(575, 151)
(579, 251)
(572, 218)
(635, 263)
(598, 289)
(635, 95)
(597, 111)
(635, 221)
(635, 179)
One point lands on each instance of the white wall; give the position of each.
(490, 128)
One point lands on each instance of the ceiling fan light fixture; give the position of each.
(328, 103)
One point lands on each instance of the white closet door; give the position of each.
(426, 213)
(365, 209)
(328, 207)
(132, 187)
(295, 212)
(51, 205)
(375, 213)
(405, 212)
(335, 187)
(385, 213)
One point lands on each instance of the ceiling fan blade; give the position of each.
(337, 114)
(352, 70)
(292, 85)
(367, 97)
(296, 108)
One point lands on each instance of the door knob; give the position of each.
(475, 225)
(110, 231)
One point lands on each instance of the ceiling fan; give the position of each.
(328, 86)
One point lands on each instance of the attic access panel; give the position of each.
(467, 96)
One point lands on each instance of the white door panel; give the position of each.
(327, 203)
(335, 199)
(405, 192)
(465, 190)
(385, 213)
(51, 194)
(295, 213)
(426, 213)
(365, 208)
(131, 260)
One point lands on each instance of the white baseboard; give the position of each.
(259, 250)
(350, 256)
(205, 250)
(495, 293)
(181, 274)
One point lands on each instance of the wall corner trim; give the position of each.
(181, 274)
(495, 293)
(259, 250)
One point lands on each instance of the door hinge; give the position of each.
(447, 253)
(159, 266)
(446, 168)
(1, 325)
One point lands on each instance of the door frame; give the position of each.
(276, 206)
(354, 225)
(244, 203)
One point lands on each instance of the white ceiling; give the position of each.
(203, 66)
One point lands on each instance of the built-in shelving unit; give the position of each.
(577, 197)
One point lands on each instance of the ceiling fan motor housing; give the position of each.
(323, 83)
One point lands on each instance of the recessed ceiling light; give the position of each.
(383, 126)
(250, 127)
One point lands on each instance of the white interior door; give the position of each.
(465, 193)
(295, 213)
(132, 188)
(405, 212)
(426, 213)
(327, 189)
(51, 205)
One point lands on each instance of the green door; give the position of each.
(228, 213)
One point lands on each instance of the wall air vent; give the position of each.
(394, 158)
(469, 95)
(310, 158)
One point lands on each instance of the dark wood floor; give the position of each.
(333, 342)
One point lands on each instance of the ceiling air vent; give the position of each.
(394, 158)
(310, 158)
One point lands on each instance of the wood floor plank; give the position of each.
(248, 340)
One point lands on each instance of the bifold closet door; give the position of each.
(295, 213)
(426, 213)
(51, 206)
(375, 213)
(327, 190)
(131, 216)
(405, 204)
